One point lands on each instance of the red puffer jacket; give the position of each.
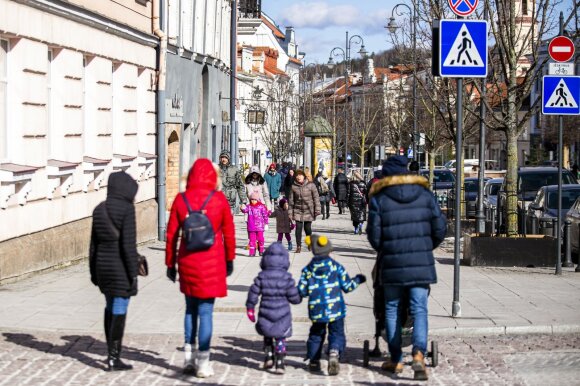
(202, 274)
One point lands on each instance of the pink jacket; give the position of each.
(257, 217)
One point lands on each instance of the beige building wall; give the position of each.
(134, 13)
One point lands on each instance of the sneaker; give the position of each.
(314, 366)
(392, 367)
(333, 363)
(190, 355)
(204, 369)
(418, 366)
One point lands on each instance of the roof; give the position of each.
(295, 61)
(279, 34)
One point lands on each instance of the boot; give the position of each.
(314, 366)
(327, 215)
(280, 369)
(392, 367)
(107, 323)
(189, 359)
(419, 368)
(333, 363)
(290, 246)
(269, 358)
(299, 249)
(204, 369)
(115, 342)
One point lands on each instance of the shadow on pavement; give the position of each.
(238, 288)
(77, 346)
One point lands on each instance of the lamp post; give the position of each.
(392, 27)
(338, 51)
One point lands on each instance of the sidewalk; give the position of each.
(493, 300)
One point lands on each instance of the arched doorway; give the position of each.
(172, 171)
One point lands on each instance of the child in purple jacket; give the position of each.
(257, 222)
(277, 289)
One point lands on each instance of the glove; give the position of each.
(361, 278)
(251, 315)
(171, 274)
(229, 268)
(266, 227)
(134, 286)
(292, 226)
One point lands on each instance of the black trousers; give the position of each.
(325, 208)
(307, 225)
(341, 206)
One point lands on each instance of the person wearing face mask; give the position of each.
(256, 183)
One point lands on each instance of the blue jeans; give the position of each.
(418, 297)
(117, 305)
(203, 309)
(336, 338)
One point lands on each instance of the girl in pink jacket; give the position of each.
(257, 222)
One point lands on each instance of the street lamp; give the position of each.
(338, 51)
(392, 28)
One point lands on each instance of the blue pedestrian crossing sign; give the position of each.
(463, 48)
(560, 95)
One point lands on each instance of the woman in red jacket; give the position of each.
(202, 275)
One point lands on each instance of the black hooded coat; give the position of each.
(113, 256)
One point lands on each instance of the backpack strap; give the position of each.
(189, 210)
(207, 199)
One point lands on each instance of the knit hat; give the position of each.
(320, 245)
(272, 166)
(255, 196)
(395, 165)
(255, 169)
(282, 202)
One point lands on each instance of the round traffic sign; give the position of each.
(463, 7)
(561, 49)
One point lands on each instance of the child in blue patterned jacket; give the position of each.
(323, 280)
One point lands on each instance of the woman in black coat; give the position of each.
(288, 182)
(357, 202)
(113, 259)
(340, 184)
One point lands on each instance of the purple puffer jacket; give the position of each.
(278, 289)
(257, 217)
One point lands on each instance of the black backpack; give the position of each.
(197, 230)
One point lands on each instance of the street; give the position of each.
(518, 326)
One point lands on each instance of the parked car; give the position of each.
(574, 217)
(443, 183)
(471, 165)
(545, 205)
(530, 180)
(470, 191)
(490, 192)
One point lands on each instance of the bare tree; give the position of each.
(368, 113)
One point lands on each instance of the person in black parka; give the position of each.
(277, 289)
(113, 259)
(405, 225)
(357, 202)
(341, 189)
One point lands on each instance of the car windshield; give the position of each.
(532, 182)
(494, 189)
(568, 198)
(441, 176)
(471, 186)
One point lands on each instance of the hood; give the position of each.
(202, 175)
(122, 186)
(319, 268)
(401, 188)
(254, 170)
(275, 257)
(225, 153)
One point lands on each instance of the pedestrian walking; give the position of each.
(405, 225)
(273, 181)
(324, 193)
(275, 289)
(304, 206)
(283, 171)
(288, 182)
(113, 260)
(257, 222)
(323, 280)
(357, 202)
(340, 184)
(232, 181)
(283, 223)
(256, 183)
(202, 274)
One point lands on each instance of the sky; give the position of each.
(321, 24)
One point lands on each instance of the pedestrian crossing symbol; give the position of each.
(463, 48)
(561, 95)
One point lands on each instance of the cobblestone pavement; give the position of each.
(44, 358)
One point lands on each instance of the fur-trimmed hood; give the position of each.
(402, 181)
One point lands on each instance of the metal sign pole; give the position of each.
(559, 222)
(456, 307)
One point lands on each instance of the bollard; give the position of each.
(567, 246)
(534, 225)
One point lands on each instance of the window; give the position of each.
(50, 103)
(524, 7)
(3, 97)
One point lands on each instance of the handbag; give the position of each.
(143, 266)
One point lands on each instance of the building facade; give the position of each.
(77, 102)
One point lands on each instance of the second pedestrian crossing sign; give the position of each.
(463, 48)
(560, 95)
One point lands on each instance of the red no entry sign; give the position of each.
(463, 7)
(561, 49)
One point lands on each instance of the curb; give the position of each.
(506, 330)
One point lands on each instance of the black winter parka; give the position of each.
(113, 256)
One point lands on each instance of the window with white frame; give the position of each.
(3, 97)
(50, 103)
